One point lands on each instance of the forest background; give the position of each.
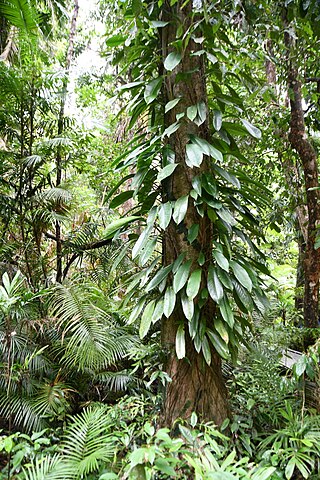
(159, 250)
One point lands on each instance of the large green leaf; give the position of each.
(166, 171)
(172, 60)
(187, 305)
(159, 276)
(169, 302)
(217, 120)
(241, 275)
(152, 89)
(221, 329)
(165, 213)
(141, 242)
(158, 310)
(180, 342)
(215, 287)
(121, 198)
(194, 283)
(180, 209)
(181, 276)
(117, 224)
(254, 131)
(194, 155)
(146, 319)
(226, 311)
(205, 347)
(221, 260)
(219, 345)
(193, 232)
(170, 105)
(225, 278)
(148, 251)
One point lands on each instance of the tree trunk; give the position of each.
(60, 131)
(308, 157)
(195, 386)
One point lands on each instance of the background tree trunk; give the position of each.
(60, 131)
(195, 386)
(308, 157)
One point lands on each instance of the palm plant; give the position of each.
(29, 392)
(87, 445)
(91, 340)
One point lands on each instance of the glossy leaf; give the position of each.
(180, 342)
(227, 176)
(214, 285)
(171, 129)
(187, 306)
(169, 302)
(166, 171)
(221, 329)
(172, 60)
(194, 155)
(159, 276)
(202, 113)
(254, 131)
(137, 310)
(241, 275)
(226, 311)
(117, 224)
(121, 198)
(180, 209)
(225, 278)
(193, 232)
(164, 214)
(205, 347)
(217, 119)
(192, 112)
(152, 89)
(221, 260)
(158, 310)
(181, 276)
(193, 284)
(116, 40)
(148, 251)
(170, 105)
(146, 319)
(141, 242)
(219, 345)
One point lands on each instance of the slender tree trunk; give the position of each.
(61, 128)
(195, 386)
(308, 157)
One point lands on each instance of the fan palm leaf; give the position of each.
(21, 411)
(90, 337)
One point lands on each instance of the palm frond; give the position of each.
(117, 381)
(21, 411)
(87, 443)
(44, 468)
(55, 142)
(90, 337)
(53, 398)
(20, 13)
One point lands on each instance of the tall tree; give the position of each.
(207, 283)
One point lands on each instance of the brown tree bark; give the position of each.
(308, 156)
(195, 386)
